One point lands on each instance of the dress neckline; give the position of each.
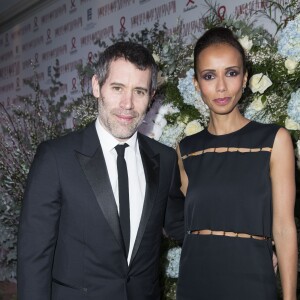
(230, 133)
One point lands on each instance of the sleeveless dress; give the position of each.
(229, 190)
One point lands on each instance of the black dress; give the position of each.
(229, 190)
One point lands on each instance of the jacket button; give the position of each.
(128, 279)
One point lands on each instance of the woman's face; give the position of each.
(220, 77)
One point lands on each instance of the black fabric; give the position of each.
(123, 195)
(70, 227)
(228, 191)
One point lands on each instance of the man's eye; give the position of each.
(117, 88)
(140, 92)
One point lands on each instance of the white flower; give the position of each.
(257, 104)
(193, 127)
(291, 65)
(160, 78)
(156, 58)
(291, 124)
(259, 83)
(173, 257)
(246, 43)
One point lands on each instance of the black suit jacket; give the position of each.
(70, 244)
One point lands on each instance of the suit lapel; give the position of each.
(151, 169)
(95, 170)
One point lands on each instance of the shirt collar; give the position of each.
(109, 142)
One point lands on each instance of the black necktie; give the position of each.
(123, 195)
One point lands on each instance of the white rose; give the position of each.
(291, 65)
(246, 43)
(156, 58)
(259, 83)
(160, 78)
(193, 127)
(291, 124)
(257, 104)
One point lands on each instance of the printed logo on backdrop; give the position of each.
(74, 89)
(153, 14)
(190, 4)
(35, 24)
(73, 7)
(18, 85)
(90, 58)
(17, 51)
(48, 37)
(49, 75)
(73, 45)
(6, 40)
(221, 12)
(49, 71)
(89, 19)
(249, 8)
(122, 24)
(36, 59)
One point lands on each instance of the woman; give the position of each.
(238, 176)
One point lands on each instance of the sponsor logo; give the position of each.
(18, 85)
(89, 18)
(48, 39)
(35, 24)
(36, 59)
(73, 7)
(190, 4)
(73, 45)
(74, 88)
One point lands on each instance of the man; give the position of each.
(73, 241)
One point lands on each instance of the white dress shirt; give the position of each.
(136, 176)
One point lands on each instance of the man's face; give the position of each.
(123, 98)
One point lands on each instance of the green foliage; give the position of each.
(37, 118)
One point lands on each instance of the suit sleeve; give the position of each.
(38, 227)
(174, 217)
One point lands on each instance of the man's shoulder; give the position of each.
(71, 137)
(157, 146)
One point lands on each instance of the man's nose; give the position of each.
(127, 100)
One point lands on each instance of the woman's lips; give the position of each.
(222, 101)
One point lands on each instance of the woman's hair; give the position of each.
(215, 36)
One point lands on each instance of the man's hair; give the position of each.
(132, 52)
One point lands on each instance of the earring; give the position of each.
(243, 89)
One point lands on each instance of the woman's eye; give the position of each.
(208, 76)
(232, 73)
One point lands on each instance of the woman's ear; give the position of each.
(196, 85)
(245, 79)
(95, 86)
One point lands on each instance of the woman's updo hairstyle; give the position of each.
(214, 36)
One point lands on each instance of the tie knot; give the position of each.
(121, 149)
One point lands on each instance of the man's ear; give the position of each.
(95, 86)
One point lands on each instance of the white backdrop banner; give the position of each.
(67, 29)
